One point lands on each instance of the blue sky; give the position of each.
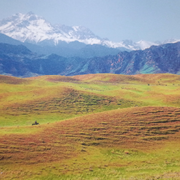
(150, 20)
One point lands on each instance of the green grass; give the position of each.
(94, 127)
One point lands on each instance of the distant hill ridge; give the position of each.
(17, 60)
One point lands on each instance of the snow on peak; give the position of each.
(76, 28)
(32, 28)
(145, 44)
(25, 27)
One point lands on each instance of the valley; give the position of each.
(93, 126)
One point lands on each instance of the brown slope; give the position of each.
(140, 128)
(12, 80)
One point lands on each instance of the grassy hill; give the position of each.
(99, 126)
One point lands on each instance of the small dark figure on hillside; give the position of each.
(36, 123)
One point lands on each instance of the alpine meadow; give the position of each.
(95, 126)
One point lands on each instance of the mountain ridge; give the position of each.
(35, 29)
(17, 60)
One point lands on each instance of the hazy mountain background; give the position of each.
(61, 39)
(31, 46)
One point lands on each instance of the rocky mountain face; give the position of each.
(156, 59)
(31, 28)
(17, 60)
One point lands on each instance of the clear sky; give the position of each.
(150, 20)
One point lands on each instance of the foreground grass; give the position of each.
(91, 127)
(136, 142)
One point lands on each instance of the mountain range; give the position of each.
(35, 29)
(17, 60)
(31, 46)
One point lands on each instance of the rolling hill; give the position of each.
(96, 126)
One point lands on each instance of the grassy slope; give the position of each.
(139, 139)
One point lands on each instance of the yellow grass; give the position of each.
(98, 126)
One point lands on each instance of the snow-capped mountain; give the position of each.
(129, 44)
(34, 29)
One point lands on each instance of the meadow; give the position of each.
(96, 126)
